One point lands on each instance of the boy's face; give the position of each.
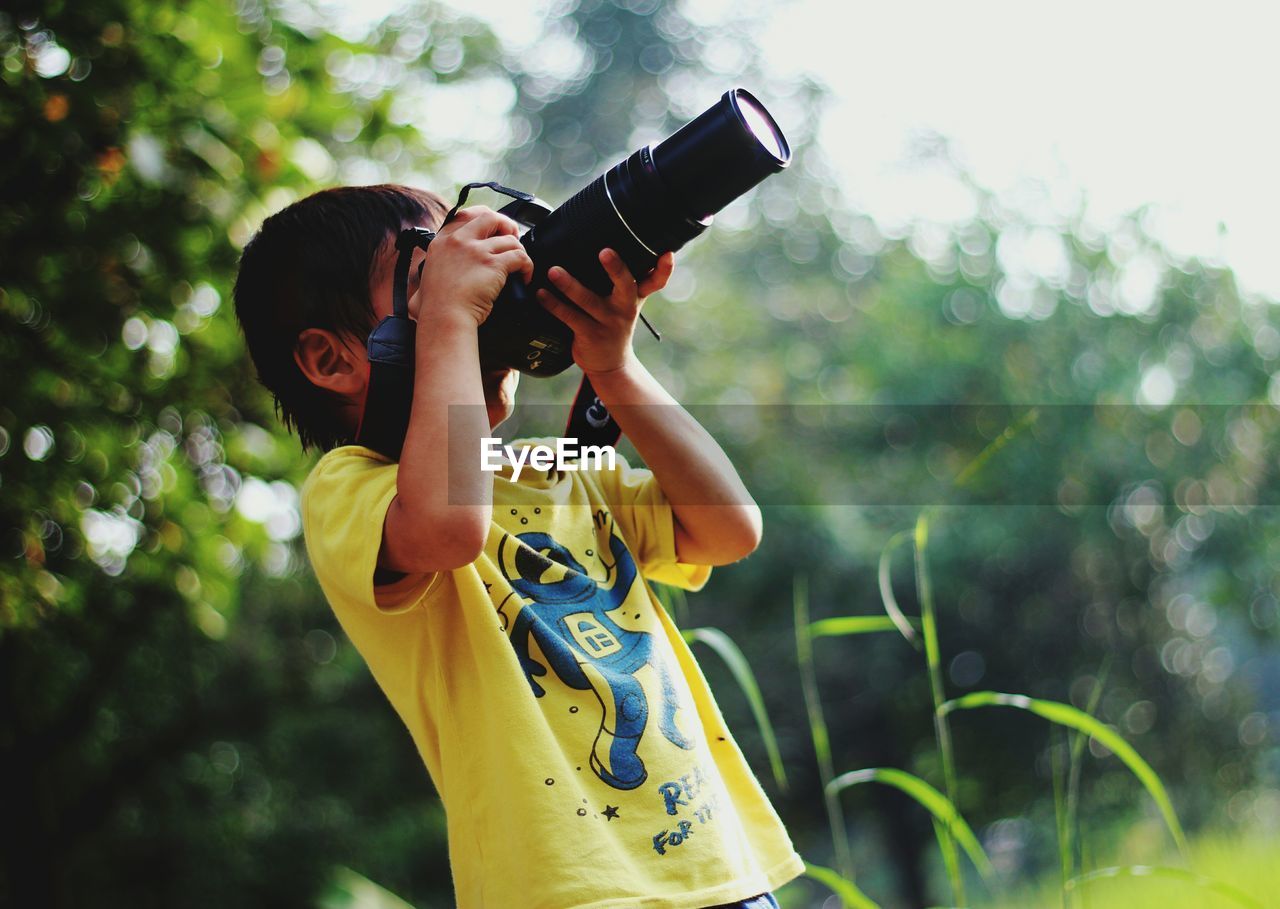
(499, 385)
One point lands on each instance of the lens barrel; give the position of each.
(720, 154)
(655, 201)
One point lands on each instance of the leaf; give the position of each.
(931, 799)
(852, 624)
(1066, 715)
(974, 467)
(674, 601)
(890, 602)
(849, 894)
(933, 658)
(817, 723)
(351, 890)
(728, 651)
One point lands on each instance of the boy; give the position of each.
(573, 740)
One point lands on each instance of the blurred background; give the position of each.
(1016, 289)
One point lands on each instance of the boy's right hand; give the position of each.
(439, 519)
(468, 264)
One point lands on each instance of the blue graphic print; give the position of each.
(568, 617)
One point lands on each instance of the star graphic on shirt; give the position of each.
(610, 812)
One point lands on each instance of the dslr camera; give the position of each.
(654, 201)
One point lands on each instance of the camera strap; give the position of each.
(388, 395)
(518, 194)
(589, 420)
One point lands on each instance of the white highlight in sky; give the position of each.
(1133, 103)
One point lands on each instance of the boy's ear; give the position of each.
(329, 363)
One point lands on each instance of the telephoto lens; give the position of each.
(653, 202)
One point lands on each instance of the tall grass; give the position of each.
(941, 729)
(941, 807)
(1066, 813)
(954, 834)
(818, 725)
(348, 889)
(1073, 718)
(740, 669)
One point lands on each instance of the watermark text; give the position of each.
(566, 454)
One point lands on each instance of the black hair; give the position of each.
(310, 266)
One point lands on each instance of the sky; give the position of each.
(1109, 105)
(1127, 103)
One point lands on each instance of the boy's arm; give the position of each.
(466, 267)
(716, 519)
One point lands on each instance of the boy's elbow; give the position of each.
(427, 545)
(462, 546)
(728, 539)
(748, 533)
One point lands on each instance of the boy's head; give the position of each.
(308, 293)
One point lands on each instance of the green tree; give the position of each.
(182, 721)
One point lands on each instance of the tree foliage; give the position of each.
(182, 722)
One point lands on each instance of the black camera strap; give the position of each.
(388, 396)
(518, 194)
(590, 422)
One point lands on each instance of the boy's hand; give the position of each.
(440, 516)
(468, 263)
(603, 326)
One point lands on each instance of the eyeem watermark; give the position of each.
(566, 454)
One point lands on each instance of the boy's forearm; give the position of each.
(717, 520)
(439, 463)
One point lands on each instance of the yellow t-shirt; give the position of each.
(577, 749)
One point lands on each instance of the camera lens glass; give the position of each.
(761, 125)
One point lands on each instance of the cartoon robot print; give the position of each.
(567, 613)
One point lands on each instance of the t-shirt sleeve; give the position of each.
(344, 505)
(644, 517)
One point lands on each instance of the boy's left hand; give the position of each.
(603, 326)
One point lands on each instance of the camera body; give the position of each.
(525, 336)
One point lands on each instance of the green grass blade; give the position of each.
(933, 658)
(1065, 864)
(817, 723)
(849, 894)
(1071, 717)
(928, 622)
(887, 599)
(950, 854)
(1182, 875)
(937, 804)
(348, 889)
(674, 601)
(851, 624)
(1086, 863)
(1078, 741)
(728, 651)
(1011, 431)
